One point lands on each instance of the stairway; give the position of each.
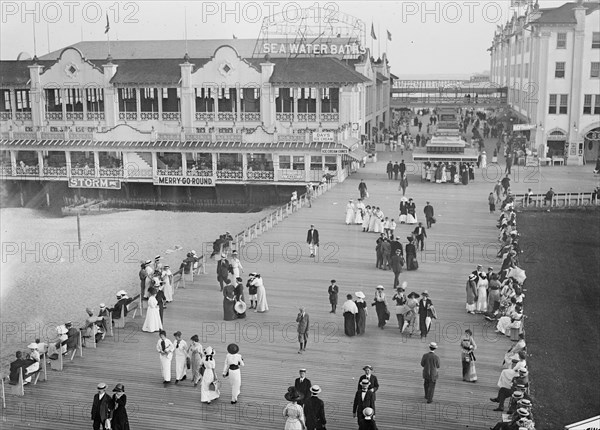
(138, 162)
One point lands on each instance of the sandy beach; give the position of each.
(47, 280)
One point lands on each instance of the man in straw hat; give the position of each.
(425, 314)
(314, 410)
(364, 398)
(430, 363)
(102, 408)
(303, 325)
(369, 422)
(222, 270)
(302, 385)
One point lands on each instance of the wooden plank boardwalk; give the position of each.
(463, 237)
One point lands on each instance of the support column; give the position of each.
(63, 103)
(306, 167)
(125, 166)
(295, 92)
(318, 107)
(245, 166)
(13, 104)
(575, 139)
(84, 102)
(214, 165)
(13, 162)
(338, 163)
(40, 164)
(36, 95)
(184, 164)
(159, 94)
(237, 105)
(96, 164)
(111, 95)
(68, 163)
(187, 101)
(543, 41)
(154, 164)
(138, 107)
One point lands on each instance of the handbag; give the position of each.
(433, 220)
(188, 362)
(387, 314)
(107, 425)
(214, 386)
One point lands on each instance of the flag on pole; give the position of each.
(373, 36)
(107, 25)
(389, 35)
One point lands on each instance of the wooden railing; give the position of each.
(558, 200)
(277, 216)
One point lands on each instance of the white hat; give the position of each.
(360, 294)
(380, 287)
(240, 307)
(33, 345)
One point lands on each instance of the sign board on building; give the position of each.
(187, 181)
(334, 151)
(104, 183)
(292, 175)
(323, 136)
(523, 127)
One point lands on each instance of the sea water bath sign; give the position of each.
(313, 48)
(190, 181)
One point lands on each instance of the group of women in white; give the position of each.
(202, 364)
(355, 212)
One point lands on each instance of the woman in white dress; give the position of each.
(261, 295)
(167, 286)
(231, 369)
(153, 322)
(482, 285)
(350, 213)
(444, 173)
(366, 219)
(373, 219)
(512, 320)
(206, 394)
(195, 353)
(379, 216)
(293, 412)
(359, 211)
(165, 350)
(181, 354)
(34, 355)
(236, 265)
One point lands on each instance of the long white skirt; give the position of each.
(168, 290)
(366, 221)
(206, 395)
(349, 216)
(152, 322)
(403, 218)
(410, 219)
(236, 272)
(180, 367)
(378, 228)
(261, 294)
(482, 297)
(358, 218)
(235, 379)
(372, 221)
(165, 366)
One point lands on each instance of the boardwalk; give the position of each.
(464, 236)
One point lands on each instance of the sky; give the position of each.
(428, 37)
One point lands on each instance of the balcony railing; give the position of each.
(128, 116)
(307, 117)
(54, 171)
(52, 135)
(168, 136)
(54, 116)
(135, 172)
(83, 171)
(75, 116)
(330, 117)
(5, 116)
(226, 116)
(203, 173)
(147, 116)
(95, 116)
(284, 116)
(169, 172)
(23, 116)
(230, 175)
(250, 116)
(81, 136)
(291, 175)
(5, 171)
(111, 172)
(290, 137)
(261, 175)
(203, 137)
(205, 116)
(170, 116)
(28, 170)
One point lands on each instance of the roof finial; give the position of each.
(186, 58)
(109, 59)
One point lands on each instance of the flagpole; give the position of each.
(34, 40)
(185, 29)
(378, 40)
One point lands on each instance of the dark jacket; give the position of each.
(312, 236)
(360, 404)
(374, 384)
(102, 409)
(304, 388)
(430, 363)
(428, 210)
(314, 411)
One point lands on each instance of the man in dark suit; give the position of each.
(420, 234)
(312, 238)
(430, 363)
(302, 385)
(372, 379)
(364, 398)
(102, 407)
(428, 211)
(402, 168)
(396, 170)
(389, 170)
(303, 323)
(222, 270)
(314, 410)
(17, 366)
(121, 306)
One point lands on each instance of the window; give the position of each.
(587, 104)
(561, 41)
(5, 103)
(559, 71)
(284, 162)
(596, 40)
(597, 105)
(526, 70)
(298, 162)
(564, 102)
(595, 70)
(552, 104)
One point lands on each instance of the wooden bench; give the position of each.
(18, 388)
(134, 305)
(58, 364)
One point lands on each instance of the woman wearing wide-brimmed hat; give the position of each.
(361, 316)
(468, 346)
(165, 350)
(293, 411)
(207, 394)
(380, 304)
(120, 419)
(231, 369)
(410, 316)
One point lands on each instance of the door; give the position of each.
(591, 144)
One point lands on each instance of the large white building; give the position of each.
(550, 61)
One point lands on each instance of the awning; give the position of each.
(358, 154)
(470, 155)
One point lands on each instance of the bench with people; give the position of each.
(125, 306)
(26, 369)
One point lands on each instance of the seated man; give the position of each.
(17, 366)
(72, 336)
(102, 322)
(90, 328)
(549, 196)
(122, 301)
(55, 346)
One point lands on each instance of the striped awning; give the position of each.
(358, 154)
(163, 145)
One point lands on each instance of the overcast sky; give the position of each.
(428, 37)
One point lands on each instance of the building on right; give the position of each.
(549, 59)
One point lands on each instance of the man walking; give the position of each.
(498, 192)
(312, 238)
(420, 235)
(364, 398)
(397, 261)
(396, 170)
(428, 210)
(302, 385)
(101, 408)
(314, 410)
(303, 324)
(362, 189)
(402, 168)
(505, 185)
(389, 169)
(372, 379)
(430, 363)
(222, 270)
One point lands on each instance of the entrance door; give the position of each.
(591, 146)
